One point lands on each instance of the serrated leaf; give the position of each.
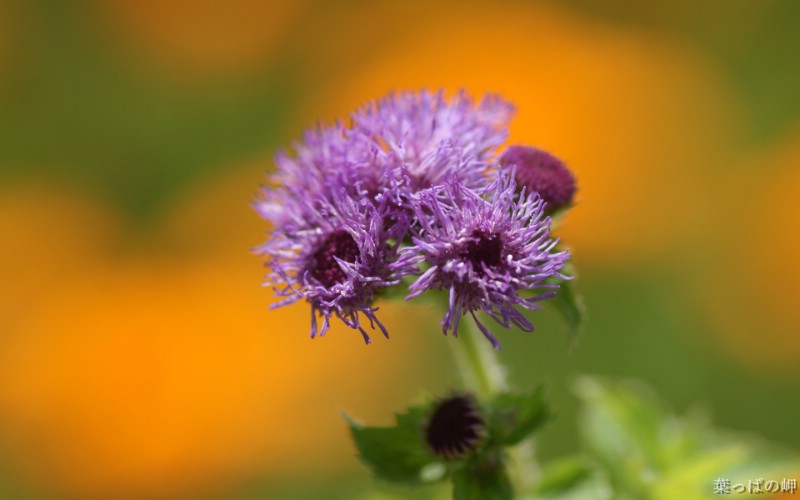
(483, 479)
(513, 417)
(396, 453)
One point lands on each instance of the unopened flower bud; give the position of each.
(539, 171)
(456, 427)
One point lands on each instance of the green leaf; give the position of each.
(514, 417)
(397, 453)
(484, 478)
(572, 478)
(568, 303)
(646, 451)
(562, 476)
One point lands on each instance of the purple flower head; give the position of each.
(346, 202)
(395, 147)
(327, 160)
(434, 138)
(484, 248)
(337, 259)
(539, 171)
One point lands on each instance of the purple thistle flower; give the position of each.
(396, 147)
(345, 199)
(484, 248)
(337, 259)
(328, 159)
(433, 138)
(539, 171)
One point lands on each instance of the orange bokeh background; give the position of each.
(153, 368)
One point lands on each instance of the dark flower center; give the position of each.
(323, 266)
(455, 428)
(483, 249)
(542, 172)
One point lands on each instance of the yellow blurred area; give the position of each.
(204, 37)
(638, 118)
(142, 373)
(753, 283)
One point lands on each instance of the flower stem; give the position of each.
(482, 372)
(477, 361)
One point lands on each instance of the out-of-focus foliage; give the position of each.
(635, 447)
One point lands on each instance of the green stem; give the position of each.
(477, 361)
(482, 372)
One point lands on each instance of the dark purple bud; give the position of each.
(543, 173)
(456, 427)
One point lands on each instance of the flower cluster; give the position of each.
(415, 185)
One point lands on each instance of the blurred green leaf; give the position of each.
(514, 417)
(397, 453)
(571, 478)
(571, 307)
(648, 452)
(562, 476)
(568, 302)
